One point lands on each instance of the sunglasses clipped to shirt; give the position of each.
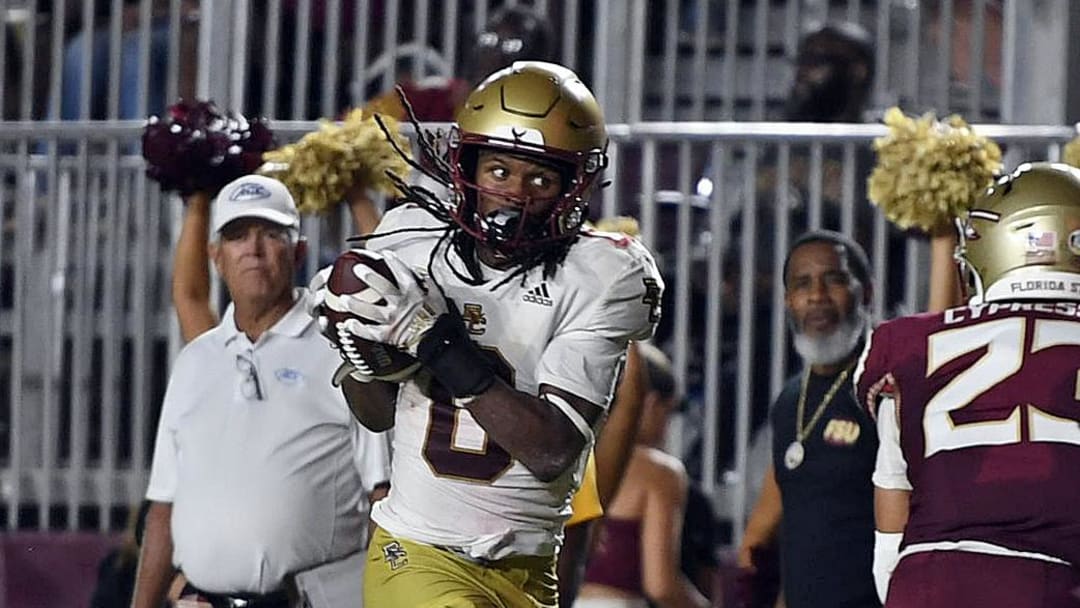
(251, 387)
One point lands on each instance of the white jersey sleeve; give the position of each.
(890, 469)
(583, 356)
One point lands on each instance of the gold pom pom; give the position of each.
(326, 164)
(1070, 155)
(620, 223)
(929, 171)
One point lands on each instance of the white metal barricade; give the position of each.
(86, 327)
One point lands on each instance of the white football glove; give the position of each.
(396, 315)
(317, 287)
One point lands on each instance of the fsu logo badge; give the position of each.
(474, 318)
(841, 432)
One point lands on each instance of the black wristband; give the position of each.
(453, 359)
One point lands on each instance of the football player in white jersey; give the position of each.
(519, 316)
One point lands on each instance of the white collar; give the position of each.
(291, 325)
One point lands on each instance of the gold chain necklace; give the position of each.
(795, 453)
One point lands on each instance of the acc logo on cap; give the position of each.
(250, 192)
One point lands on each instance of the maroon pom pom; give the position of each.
(195, 146)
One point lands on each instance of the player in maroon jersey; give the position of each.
(977, 482)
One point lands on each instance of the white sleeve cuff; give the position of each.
(886, 554)
(569, 411)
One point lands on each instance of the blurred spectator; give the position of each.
(700, 539)
(515, 33)
(637, 558)
(320, 21)
(818, 488)
(77, 66)
(833, 75)
(966, 79)
(833, 81)
(604, 473)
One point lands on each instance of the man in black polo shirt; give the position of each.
(817, 496)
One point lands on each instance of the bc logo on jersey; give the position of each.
(652, 298)
(395, 555)
(474, 318)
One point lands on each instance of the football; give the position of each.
(344, 281)
(380, 360)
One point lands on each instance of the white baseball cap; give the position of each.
(255, 196)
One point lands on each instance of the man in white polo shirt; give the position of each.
(259, 467)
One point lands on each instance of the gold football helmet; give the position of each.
(1021, 239)
(543, 112)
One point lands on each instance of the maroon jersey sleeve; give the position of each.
(873, 377)
(989, 419)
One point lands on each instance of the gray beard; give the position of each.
(835, 347)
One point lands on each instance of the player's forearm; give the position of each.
(156, 570)
(531, 429)
(891, 509)
(191, 269)
(372, 403)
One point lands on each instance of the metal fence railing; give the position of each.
(646, 59)
(87, 331)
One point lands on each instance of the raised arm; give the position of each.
(944, 279)
(191, 270)
(363, 210)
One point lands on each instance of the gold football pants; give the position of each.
(404, 574)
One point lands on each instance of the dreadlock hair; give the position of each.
(434, 163)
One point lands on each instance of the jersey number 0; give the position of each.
(443, 450)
